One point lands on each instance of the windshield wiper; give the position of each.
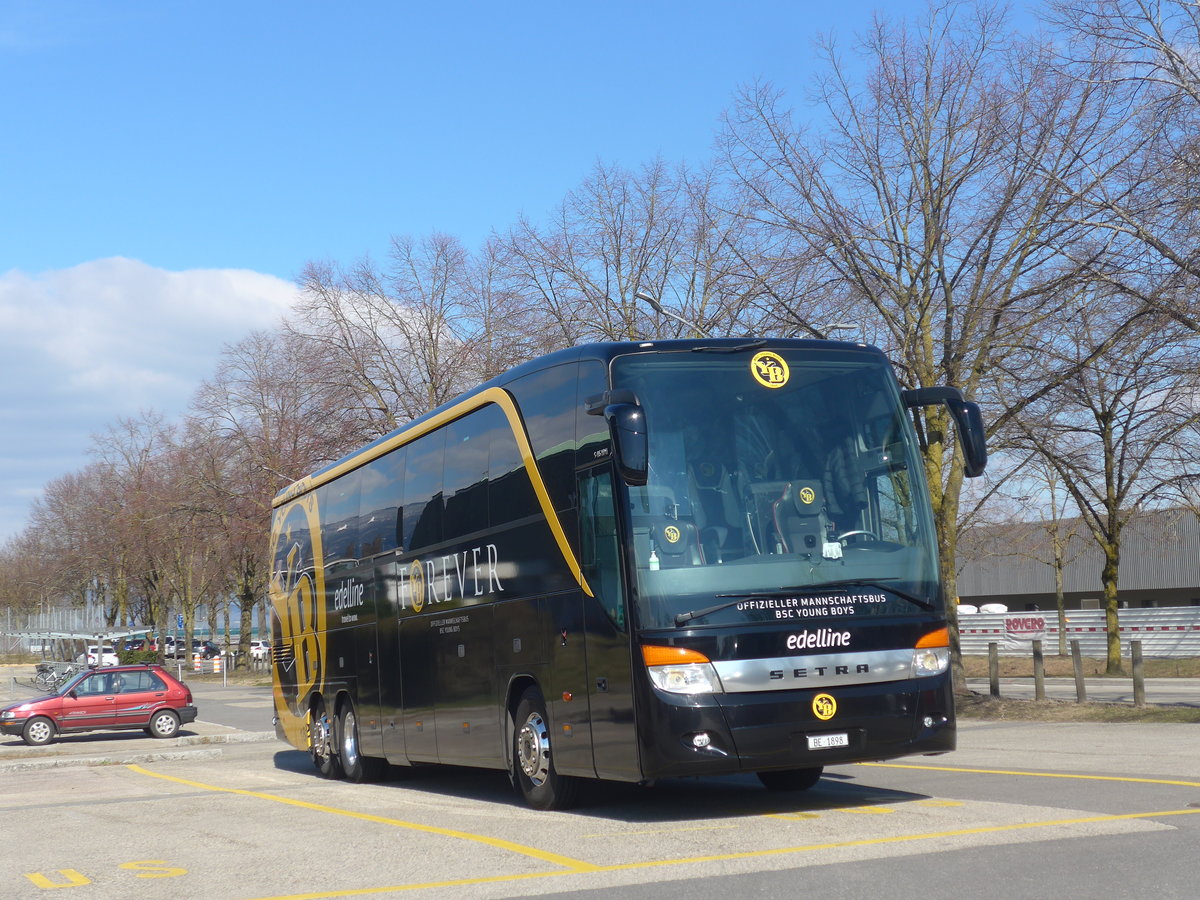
(752, 345)
(683, 618)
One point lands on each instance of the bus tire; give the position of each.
(321, 743)
(358, 768)
(533, 766)
(790, 779)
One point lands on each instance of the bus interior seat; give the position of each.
(715, 501)
(800, 519)
(653, 500)
(678, 543)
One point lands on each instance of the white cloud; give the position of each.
(81, 347)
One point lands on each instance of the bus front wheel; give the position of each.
(533, 765)
(790, 779)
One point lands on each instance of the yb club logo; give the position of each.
(298, 607)
(416, 582)
(824, 707)
(769, 369)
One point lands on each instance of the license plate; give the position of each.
(824, 741)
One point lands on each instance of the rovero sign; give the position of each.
(1025, 628)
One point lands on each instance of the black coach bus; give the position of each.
(625, 561)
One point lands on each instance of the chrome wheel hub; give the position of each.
(350, 741)
(533, 749)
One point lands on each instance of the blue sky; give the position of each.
(167, 169)
(261, 136)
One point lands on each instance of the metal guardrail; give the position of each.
(1170, 632)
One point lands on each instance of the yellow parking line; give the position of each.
(574, 865)
(1035, 774)
(898, 839)
(749, 854)
(397, 888)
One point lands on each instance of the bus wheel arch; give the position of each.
(516, 689)
(532, 765)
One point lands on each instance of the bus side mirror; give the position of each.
(627, 425)
(968, 421)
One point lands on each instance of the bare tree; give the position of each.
(932, 204)
(393, 343)
(1051, 537)
(1144, 191)
(613, 236)
(1112, 433)
(131, 502)
(263, 420)
(507, 329)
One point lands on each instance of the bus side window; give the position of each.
(510, 492)
(382, 495)
(892, 502)
(466, 472)
(591, 432)
(599, 543)
(338, 502)
(547, 400)
(423, 491)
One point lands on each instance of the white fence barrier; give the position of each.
(1168, 632)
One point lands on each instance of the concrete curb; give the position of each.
(22, 761)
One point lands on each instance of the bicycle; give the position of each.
(50, 675)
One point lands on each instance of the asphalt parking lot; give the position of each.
(1020, 810)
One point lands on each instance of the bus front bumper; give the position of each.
(721, 734)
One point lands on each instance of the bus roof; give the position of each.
(603, 352)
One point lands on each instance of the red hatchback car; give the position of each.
(116, 697)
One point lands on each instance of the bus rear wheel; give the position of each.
(358, 768)
(321, 744)
(533, 765)
(790, 779)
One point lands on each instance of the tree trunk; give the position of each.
(1059, 600)
(1112, 554)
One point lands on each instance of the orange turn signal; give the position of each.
(939, 638)
(671, 656)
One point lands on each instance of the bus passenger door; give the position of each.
(606, 625)
(418, 679)
(366, 651)
(391, 700)
(468, 728)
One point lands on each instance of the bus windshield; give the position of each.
(781, 485)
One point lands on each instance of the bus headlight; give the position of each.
(932, 661)
(680, 671)
(931, 655)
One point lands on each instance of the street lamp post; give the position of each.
(658, 308)
(824, 332)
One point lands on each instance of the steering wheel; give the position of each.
(857, 533)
